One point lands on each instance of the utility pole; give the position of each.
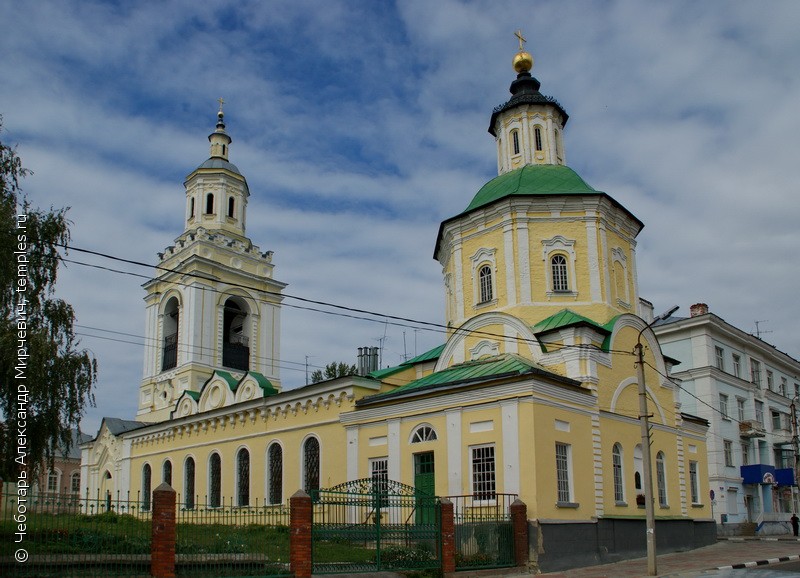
(644, 420)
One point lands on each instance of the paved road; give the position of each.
(721, 559)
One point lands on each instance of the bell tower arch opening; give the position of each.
(169, 354)
(236, 328)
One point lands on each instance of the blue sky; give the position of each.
(360, 126)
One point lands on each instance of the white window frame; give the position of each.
(719, 354)
(564, 474)
(560, 245)
(423, 433)
(759, 405)
(740, 407)
(737, 365)
(54, 474)
(755, 372)
(727, 453)
(723, 406)
(483, 257)
(694, 482)
(661, 480)
(481, 487)
(617, 465)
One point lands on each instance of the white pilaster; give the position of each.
(352, 452)
(393, 442)
(454, 474)
(510, 426)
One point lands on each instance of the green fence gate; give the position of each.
(370, 525)
(483, 531)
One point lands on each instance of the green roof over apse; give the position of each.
(504, 365)
(429, 355)
(532, 180)
(568, 318)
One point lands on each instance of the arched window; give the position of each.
(243, 477)
(558, 268)
(515, 141)
(147, 475)
(230, 207)
(638, 467)
(616, 461)
(53, 480)
(75, 483)
(191, 208)
(661, 480)
(188, 483)
(169, 357)
(166, 472)
(423, 433)
(210, 204)
(537, 137)
(311, 465)
(485, 279)
(275, 474)
(235, 343)
(214, 481)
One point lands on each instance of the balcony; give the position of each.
(236, 352)
(169, 359)
(751, 429)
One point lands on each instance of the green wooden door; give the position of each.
(425, 484)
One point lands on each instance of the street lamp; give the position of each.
(645, 425)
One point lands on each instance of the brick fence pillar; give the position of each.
(162, 548)
(448, 537)
(519, 527)
(300, 517)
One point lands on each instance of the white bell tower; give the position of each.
(213, 303)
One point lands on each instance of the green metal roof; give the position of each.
(195, 395)
(485, 368)
(566, 318)
(229, 379)
(264, 383)
(430, 355)
(532, 180)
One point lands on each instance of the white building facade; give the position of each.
(747, 390)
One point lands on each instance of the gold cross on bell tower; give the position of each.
(521, 39)
(221, 102)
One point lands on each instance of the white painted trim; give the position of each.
(351, 433)
(511, 447)
(454, 472)
(508, 257)
(393, 433)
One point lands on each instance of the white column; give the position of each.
(393, 431)
(510, 426)
(454, 474)
(508, 254)
(352, 452)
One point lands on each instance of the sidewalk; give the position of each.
(726, 553)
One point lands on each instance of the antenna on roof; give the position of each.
(759, 331)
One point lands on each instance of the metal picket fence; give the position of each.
(231, 540)
(484, 535)
(58, 535)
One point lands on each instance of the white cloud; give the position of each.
(361, 126)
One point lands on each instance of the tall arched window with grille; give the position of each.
(616, 462)
(166, 472)
(188, 483)
(661, 479)
(311, 465)
(558, 269)
(515, 141)
(275, 474)
(147, 475)
(485, 280)
(243, 477)
(214, 481)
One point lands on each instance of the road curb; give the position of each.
(759, 563)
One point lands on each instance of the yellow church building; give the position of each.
(534, 392)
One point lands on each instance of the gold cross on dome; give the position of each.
(521, 39)
(221, 102)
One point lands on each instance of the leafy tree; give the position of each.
(332, 371)
(45, 380)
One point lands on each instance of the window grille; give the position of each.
(188, 484)
(146, 487)
(661, 479)
(311, 464)
(215, 481)
(166, 472)
(243, 477)
(558, 266)
(619, 494)
(562, 472)
(275, 460)
(483, 473)
(485, 276)
(423, 434)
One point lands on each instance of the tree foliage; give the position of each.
(45, 379)
(332, 371)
